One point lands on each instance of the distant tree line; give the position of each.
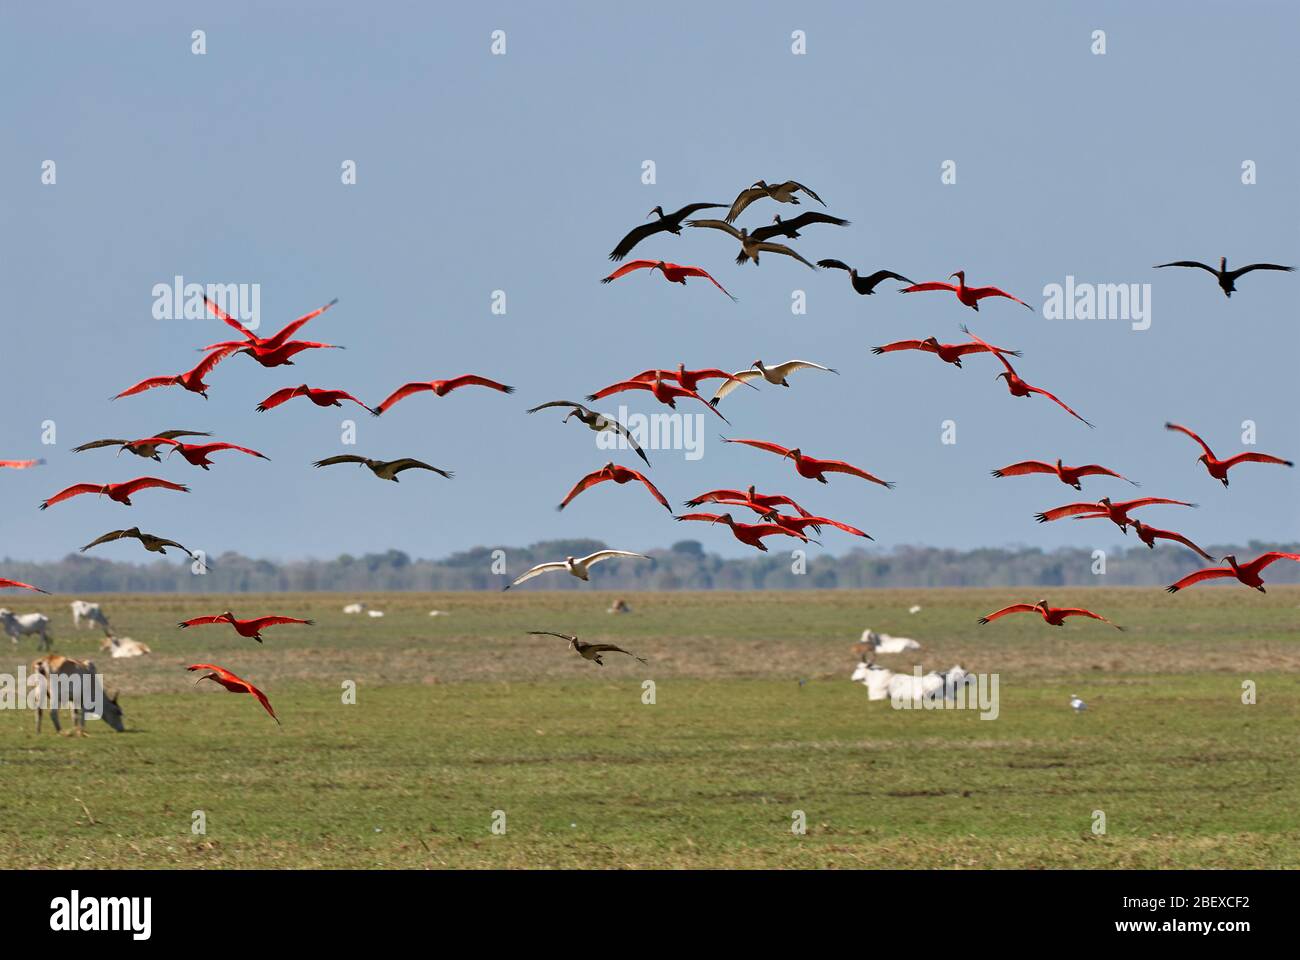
(683, 566)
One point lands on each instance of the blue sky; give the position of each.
(519, 172)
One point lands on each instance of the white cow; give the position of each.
(84, 610)
(437, 613)
(25, 625)
(875, 679)
(355, 607)
(374, 613)
(121, 647)
(884, 684)
(884, 643)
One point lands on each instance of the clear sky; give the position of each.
(478, 172)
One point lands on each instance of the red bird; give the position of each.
(1067, 475)
(232, 683)
(20, 464)
(811, 467)
(947, 352)
(245, 628)
(19, 585)
(971, 296)
(801, 523)
(441, 388)
(617, 473)
(749, 533)
(197, 453)
(267, 343)
(1219, 468)
(1149, 535)
(663, 391)
(1247, 573)
(280, 356)
(1116, 511)
(191, 380)
(673, 272)
(1053, 615)
(121, 492)
(1018, 387)
(765, 503)
(317, 395)
(689, 379)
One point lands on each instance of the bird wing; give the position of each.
(1247, 457)
(980, 293)
(1024, 467)
(909, 345)
(880, 275)
(962, 349)
(75, 490)
(1209, 573)
(1081, 612)
(261, 698)
(536, 572)
(609, 647)
(733, 381)
(474, 380)
(1097, 470)
(744, 199)
(711, 517)
(1259, 266)
(409, 463)
(1178, 538)
(628, 268)
(552, 633)
(1181, 429)
(173, 434)
(96, 444)
(1264, 559)
(586, 483)
(261, 623)
(701, 272)
(403, 392)
(106, 538)
(204, 366)
(623, 432)
(289, 329)
(839, 466)
(20, 585)
(203, 621)
(635, 236)
(559, 403)
(988, 346)
(781, 248)
(1188, 263)
(20, 464)
(213, 447)
(619, 388)
(1007, 611)
(834, 265)
(149, 384)
(600, 555)
(810, 193)
(144, 483)
(722, 225)
(761, 445)
(712, 496)
(1127, 505)
(230, 321)
(344, 395)
(280, 396)
(790, 366)
(795, 224)
(654, 491)
(1069, 510)
(929, 285)
(1054, 398)
(818, 521)
(222, 671)
(341, 458)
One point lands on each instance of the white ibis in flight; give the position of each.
(1227, 278)
(1217, 468)
(667, 223)
(579, 567)
(780, 192)
(775, 374)
(598, 422)
(750, 246)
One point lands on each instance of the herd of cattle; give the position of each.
(84, 614)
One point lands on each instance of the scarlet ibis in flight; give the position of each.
(673, 272)
(266, 343)
(1067, 475)
(383, 469)
(280, 356)
(768, 502)
(947, 352)
(317, 395)
(667, 223)
(662, 390)
(1227, 278)
(811, 467)
(1116, 511)
(791, 228)
(1219, 468)
(748, 533)
(588, 651)
(20, 464)
(775, 374)
(153, 544)
(866, 286)
(251, 628)
(595, 421)
(1017, 386)
(1149, 535)
(970, 296)
(440, 388)
(579, 567)
(750, 246)
(618, 474)
(18, 585)
(121, 492)
(780, 192)
(690, 379)
(1247, 573)
(1053, 615)
(191, 380)
(801, 523)
(141, 448)
(197, 453)
(232, 683)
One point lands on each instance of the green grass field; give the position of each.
(462, 715)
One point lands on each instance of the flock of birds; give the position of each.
(776, 514)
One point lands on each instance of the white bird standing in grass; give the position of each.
(775, 375)
(1077, 705)
(577, 566)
